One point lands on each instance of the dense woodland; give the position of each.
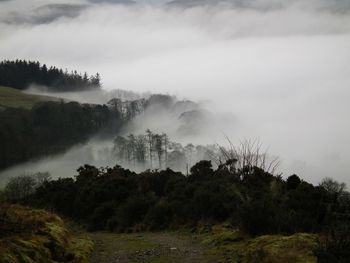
(20, 74)
(50, 127)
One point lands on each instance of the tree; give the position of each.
(189, 149)
(131, 148)
(20, 187)
(202, 169)
(120, 148)
(333, 187)
(293, 182)
(158, 147)
(166, 143)
(248, 154)
(140, 149)
(149, 135)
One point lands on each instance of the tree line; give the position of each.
(20, 74)
(157, 151)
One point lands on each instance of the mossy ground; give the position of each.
(231, 245)
(35, 236)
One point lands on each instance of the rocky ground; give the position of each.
(149, 248)
(221, 245)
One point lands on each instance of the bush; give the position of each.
(335, 248)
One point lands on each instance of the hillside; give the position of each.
(28, 235)
(47, 128)
(13, 98)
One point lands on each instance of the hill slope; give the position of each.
(13, 98)
(36, 236)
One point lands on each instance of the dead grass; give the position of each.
(35, 236)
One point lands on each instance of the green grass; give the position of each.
(13, 98)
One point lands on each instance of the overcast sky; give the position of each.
(281, 67)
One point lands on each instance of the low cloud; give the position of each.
(339, 6)
(123, 2)
(44, 14)
(281, 70)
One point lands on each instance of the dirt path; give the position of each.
(148, 248)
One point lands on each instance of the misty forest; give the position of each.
(174, 131)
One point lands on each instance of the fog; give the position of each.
(279, 69)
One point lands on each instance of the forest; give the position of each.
(49, 128)
(20, 74)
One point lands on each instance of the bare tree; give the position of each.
(189, 149)
(166, 143)
(140, 149)
(131, 149)
(246, 156)
(158, 147)
(338, 190)
(149, 135)
(120, 148)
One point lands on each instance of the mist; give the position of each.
(272, 70)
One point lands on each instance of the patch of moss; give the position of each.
(295, 248)
(223, 234)
(233, 246)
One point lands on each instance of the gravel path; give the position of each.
(148, 248)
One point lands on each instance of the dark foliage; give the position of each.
(20, 74)
(48, 128)
(120, 200)
(336, 247)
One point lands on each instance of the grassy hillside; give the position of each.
(35, 236)
(12, 98)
